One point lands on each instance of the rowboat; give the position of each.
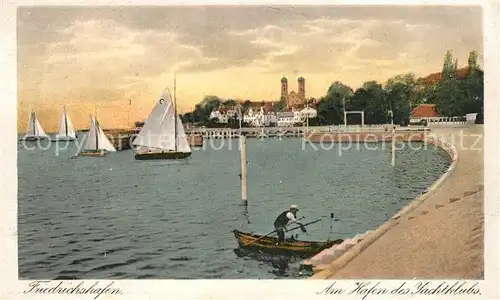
(290, 246)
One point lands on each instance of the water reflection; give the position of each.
(280, 264)
(245, 213)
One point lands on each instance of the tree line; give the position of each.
(455, 92)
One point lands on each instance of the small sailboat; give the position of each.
(162, 136)
(35, 131)
(66, 131)
(97, 144)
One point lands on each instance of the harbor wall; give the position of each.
(122, 138)
(365, 137)
(330, 261)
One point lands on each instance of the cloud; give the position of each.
(96, 43)
(93, 54)
(104, 52)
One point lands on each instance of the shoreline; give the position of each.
(370, 250)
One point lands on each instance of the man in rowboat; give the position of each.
(283, 219)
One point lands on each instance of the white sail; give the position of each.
(96, 139)
(159, 131)
(182, 142)
(91, 143)
(31, 125)
(66, 129)
(34, 127)
(104, 142)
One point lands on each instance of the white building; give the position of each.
(222, 115)
(471, 118)
(287, 118)
(249, 116)
(260, 118)
(215, 114)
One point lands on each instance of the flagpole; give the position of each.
(129, 109)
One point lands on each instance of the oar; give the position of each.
(266, 235)
(304, 225)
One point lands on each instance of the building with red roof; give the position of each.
(424, 111)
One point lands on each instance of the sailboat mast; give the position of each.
(96, 126)
(175, 114)
(33, 120)
(65, 121)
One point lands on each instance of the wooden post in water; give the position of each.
(243, 151)
(393, 148)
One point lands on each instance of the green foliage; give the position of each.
(472, 61)
(280, 106)
(230, 103)
(448, 67)
(458, 97)
(331, 107)
(246, 105)
(372, 99)
(201, 113)
(401, 97)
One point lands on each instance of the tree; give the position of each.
(188, 118)
(473, 89)
(450, 98)
(372, 99)
(230, 103)
(210, 99)
(280, 106)
(459, 96)
(202, 110)
(246, 105)
(448, 67)
(330, 110)
(340, 89)
(331, 107)
(401, 94)
(425, 94)
(472, 61)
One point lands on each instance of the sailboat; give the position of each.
(35, 131)
(66, 131)
(162, 136)
(97, 143)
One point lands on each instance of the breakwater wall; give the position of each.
(285, 132)
(330, 261)
(368, 137)
(122, 139)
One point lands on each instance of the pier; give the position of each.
(122, 138)
(290, 132)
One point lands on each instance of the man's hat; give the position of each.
(294, 206)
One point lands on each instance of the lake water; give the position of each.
(115, 217)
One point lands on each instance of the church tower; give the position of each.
(302, 88)
(284, 88)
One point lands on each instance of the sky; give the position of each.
(102, 59)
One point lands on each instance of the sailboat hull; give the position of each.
(33, 138)
(63, 139)
(93, 153)
(162, 155)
